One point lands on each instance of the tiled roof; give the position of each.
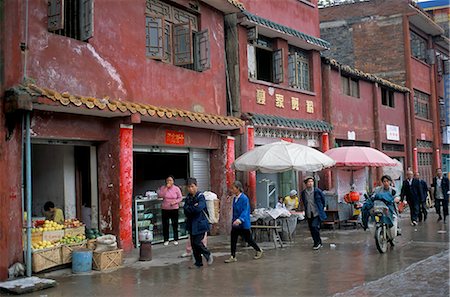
(280, 122)
(237, 4)
(363, 75)
(268, 23)
(107, 104)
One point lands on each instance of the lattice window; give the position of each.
(418, 47)
(421, 104)
(299, 68)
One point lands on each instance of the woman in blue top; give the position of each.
(241, 222)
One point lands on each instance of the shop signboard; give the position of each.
(392, 132)
(174, 137)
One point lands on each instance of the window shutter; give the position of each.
(292, 70)
(86, 19)
(154, 37)
(277, 57)
(55, 14)
(167, 42)
(182, 43)
(251, 61)
(202, 51)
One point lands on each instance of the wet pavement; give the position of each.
(417, 266)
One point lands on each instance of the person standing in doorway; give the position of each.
(413, 194)
(196, 223)
(241, 222)
(314, 202)
(423, 213)
(172, 197)
(440, 187)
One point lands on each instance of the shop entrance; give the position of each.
(152, 165)
(65, 174)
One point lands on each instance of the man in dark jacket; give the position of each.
(314, 202)
(440, 187)
(413, 194)
(196, 223)
(423, 202)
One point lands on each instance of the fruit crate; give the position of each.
(47, 258)
(67, 249)
(91, 244)
(75, 231)
(107, 260)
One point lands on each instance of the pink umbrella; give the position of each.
(358, 156)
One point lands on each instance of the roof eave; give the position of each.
(273, 33)
(424, 23)
(226, 6)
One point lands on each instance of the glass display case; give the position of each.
(147, 215)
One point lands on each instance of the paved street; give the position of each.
(417, 266)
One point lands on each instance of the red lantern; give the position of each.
(351, 197)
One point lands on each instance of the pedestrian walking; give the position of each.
(196, 223)
(188, 252)
(440, 187)
(314, 202)
(241, 222)
(171, 195)
(411, 190)
(423, 213)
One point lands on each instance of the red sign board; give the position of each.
(174, 137)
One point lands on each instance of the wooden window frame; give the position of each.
(421, 105)
(346, 84)
(387, 97)
(419, 46)
(298, 59)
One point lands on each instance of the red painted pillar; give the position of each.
(415, 161)
(251, 174)
(326, 147)
(126, 187)
(230, 174)
(438, 158)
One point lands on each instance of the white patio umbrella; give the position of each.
(394, 171)
(283, 156)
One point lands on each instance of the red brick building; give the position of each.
(397, 41)
(273, 54)
(113, 95)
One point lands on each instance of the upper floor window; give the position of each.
(421, 104)
(387, 97)
(350, 86)
(265, 62)
(418, 47)
(71, 18)
(299, 68)
(172, 36)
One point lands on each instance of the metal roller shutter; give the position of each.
(200, 168)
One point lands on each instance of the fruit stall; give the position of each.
(52, 243)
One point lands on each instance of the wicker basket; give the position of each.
(107, 260)
(67, 249)
(48, 258)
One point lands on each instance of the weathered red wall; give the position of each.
(301, 15)
(350, 113)
(426, 127)
(114, 61)
(248, 88)
(421, 76)
(394, 116)
(154, 134)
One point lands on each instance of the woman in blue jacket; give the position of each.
(241, 222)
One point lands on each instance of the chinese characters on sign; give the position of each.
(279, 101)
(392, 132)
(261, 97)
(174, 137)
(294, 103)
(309, 106)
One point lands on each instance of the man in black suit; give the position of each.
(440, 187)
(422, 203)
(411, 190)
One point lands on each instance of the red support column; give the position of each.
(326, 147)
(126, 187)
(415, 161)
(438, 158)
(251, 174)
(230, 174)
